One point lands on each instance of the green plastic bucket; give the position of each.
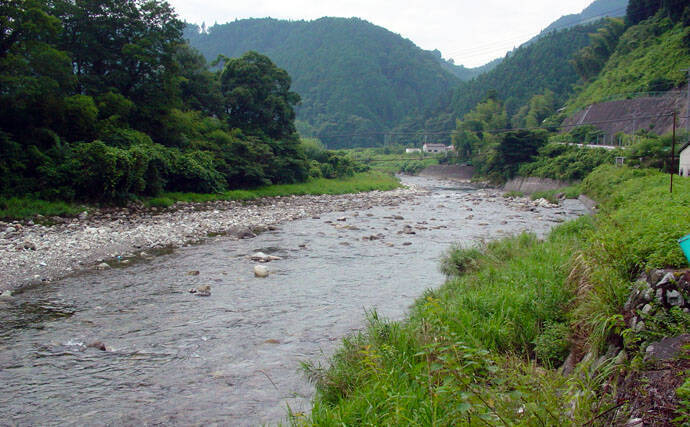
(684, 243)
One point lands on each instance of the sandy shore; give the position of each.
(33, 253)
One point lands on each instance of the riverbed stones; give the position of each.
(98, 345)
(102, 266)
(260, 271)
(674, 298)
(262, 257)
(203, 291)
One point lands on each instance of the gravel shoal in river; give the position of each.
(33, 253)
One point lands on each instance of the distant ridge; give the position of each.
(597, 10)
(355, 78)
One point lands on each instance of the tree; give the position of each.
(257, 96)
(519, 146)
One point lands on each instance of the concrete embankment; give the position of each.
(529, 185)
(451, 172)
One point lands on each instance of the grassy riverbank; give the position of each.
(25, 208)
(484, 347)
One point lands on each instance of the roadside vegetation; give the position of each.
(485, 347)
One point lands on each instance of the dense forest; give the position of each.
(103, 100)
(356, 79)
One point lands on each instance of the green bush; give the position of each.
(552, 346)
(459, 261)
(567, 163)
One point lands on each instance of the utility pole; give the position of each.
(687, 108)
(673, 150)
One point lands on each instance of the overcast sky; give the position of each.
(470, 32)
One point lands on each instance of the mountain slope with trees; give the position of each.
(649, 56)
(356, 80)
(597, 10)
(539, 68)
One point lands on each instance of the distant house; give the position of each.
(684, 167)
(413, 150)
(437, 148)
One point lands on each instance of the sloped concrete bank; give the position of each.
(449, 172)
(531, 184)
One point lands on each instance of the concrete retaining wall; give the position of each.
(454, 172)
(532, 184)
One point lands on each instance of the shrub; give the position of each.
(552, 345)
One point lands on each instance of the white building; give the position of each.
(413, 150)
(437, 148)
(684, 167)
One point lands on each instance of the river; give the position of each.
(233, 358)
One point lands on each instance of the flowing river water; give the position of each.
(233, 358)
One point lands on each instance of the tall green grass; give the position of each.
(361, 182)
(25, 207)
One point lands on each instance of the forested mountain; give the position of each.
(650, 56)
(597, 10)
(530, 70)
(356, 80)
(462, 72)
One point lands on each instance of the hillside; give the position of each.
(595, 11)
(649, 57)
(353, 77)
(527, 71)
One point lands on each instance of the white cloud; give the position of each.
(470, 32)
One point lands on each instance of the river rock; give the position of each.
(102, 266)
(26, 245)
(203, 291)
(6, 294)
(668, 279)
(193, 273)
(674, 298)
(260, 271)
(97, 345)
(262, 257)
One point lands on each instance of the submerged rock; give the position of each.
(97, 345)
(262, 257)
(203, 291)
(260, 271)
